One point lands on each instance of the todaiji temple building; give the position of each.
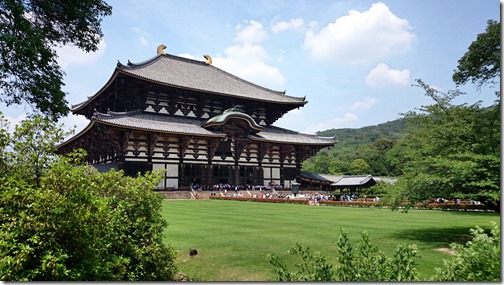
(203, 125)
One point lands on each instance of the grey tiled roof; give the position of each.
(196, 75)
(178, 125)
(353, 180)
(314, 176)
(287, 136)
(149, 122)
(331, 177)
(342, 180)
(349, 180)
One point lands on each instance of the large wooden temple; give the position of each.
(200, 123)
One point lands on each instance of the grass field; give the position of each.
(233, 238)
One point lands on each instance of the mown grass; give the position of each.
(234, 238)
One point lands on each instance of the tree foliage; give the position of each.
(32, 149)
(481, 63)
(66, 221)
(370, 144)
(359, 166)
(453, 151)
(29, 33)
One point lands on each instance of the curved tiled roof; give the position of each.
(197, 75)
(184, 126)
(314, 176)
(150, 122)
(277, 134)
(354, 181)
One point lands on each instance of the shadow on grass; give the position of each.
(439, 237)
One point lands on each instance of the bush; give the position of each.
(365, 264)
(478, 260)
(65, 221)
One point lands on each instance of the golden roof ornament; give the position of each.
(160, 49)
(208, 59)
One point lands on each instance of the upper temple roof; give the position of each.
(184, 73)
(197, 75)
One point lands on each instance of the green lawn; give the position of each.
(233, 238)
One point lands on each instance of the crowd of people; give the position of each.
(228, 190)
(230, 187)
(457, 201)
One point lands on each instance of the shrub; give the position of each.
(65, 221)
(477, 260)
(366, 264)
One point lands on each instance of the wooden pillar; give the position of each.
(151, 145)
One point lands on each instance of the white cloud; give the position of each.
(190, 56)
(71, 55)
(71, 121)
(363, 105)
(293, 120)
(143, 41)
(142, 36)
(13, 121)
(361, 36)
(283, 25)
(334, 123)
(248, 61)
(253, 32)
(382, 75)
(312, 25)
(247, 53)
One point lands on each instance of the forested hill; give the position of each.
(359, 151)
(346, 137)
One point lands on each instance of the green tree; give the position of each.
(29, 33)
(5, 139)
(322, 163)
(453, 151)
(67, 221)
(375, 154)
(33, 145)
(359, 166)
(339, 167)
(481, 63)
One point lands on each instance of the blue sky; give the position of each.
(355, 61)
